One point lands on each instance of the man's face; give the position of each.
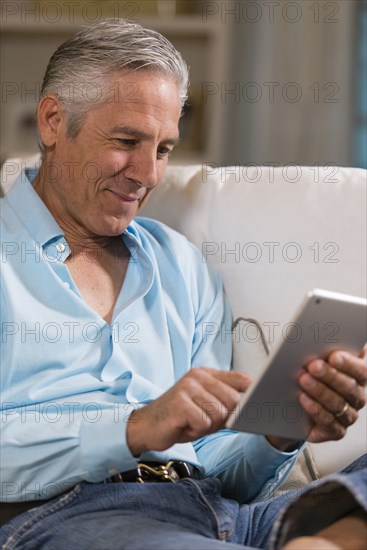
(102, 177)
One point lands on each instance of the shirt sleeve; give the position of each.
(48, 448)
(248, 466)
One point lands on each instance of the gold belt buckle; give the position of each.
(163, 472)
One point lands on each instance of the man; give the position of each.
(104, 366)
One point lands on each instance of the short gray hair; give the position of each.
(80, 70)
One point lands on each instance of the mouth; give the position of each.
(125, 198)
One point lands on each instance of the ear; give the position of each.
(50, 116)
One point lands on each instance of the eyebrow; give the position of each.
(142, 135)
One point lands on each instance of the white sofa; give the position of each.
(273, 234)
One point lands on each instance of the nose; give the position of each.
(142, 169)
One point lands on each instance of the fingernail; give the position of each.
(306, 400)
(338, 360)
(307, 381)
(318, 367)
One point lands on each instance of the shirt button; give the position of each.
(60, 247)
(66, 284)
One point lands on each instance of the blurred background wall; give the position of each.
(272, 81)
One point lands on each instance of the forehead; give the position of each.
(147, 97)
(134, 86)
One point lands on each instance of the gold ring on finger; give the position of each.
(343, 411)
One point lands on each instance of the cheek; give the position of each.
(161, 169)
(96, 165)
(112, 161)
(100, 172)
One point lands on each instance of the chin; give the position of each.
(111, 229)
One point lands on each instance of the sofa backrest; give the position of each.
(273, 233)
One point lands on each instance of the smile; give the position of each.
(124, 198)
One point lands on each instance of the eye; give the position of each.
(163, 152)
(126, 142)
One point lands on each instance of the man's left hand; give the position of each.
(332, 393)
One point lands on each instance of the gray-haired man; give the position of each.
(118, 396)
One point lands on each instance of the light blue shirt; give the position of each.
(69, 380)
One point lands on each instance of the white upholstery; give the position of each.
(252, 224)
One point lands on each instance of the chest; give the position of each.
(99, 281)
(50, 329)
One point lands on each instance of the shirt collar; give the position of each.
(31, 210)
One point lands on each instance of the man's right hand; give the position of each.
(198, 404)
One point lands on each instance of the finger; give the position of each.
(187, 417)
(328, 399)
(349, 364)
(363, 354)
(206, 390)
(325, 426)
(216, 397)
(199, 419)
(344, 385)
(216, 410)
(226, 393)
(238, 380)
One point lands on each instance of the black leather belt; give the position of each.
(144, 473)
(153, 472)
(8, 510)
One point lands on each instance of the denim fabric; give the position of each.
(188, 514)
(322, 503)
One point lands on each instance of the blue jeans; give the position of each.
(187, 514)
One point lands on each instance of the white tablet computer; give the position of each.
(325, 321)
